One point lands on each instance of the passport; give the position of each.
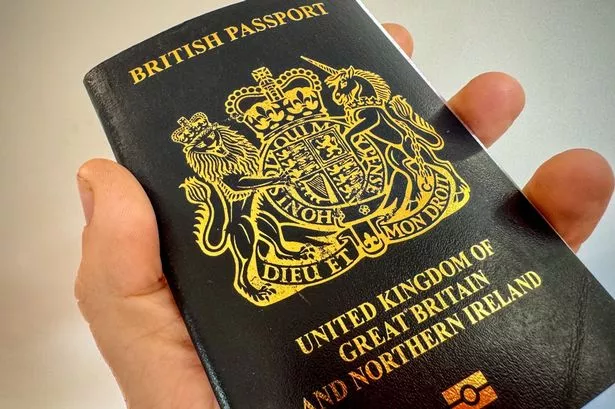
(333, 235)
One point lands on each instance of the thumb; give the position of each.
(124, 297)
(121, 253)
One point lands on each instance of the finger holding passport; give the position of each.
(333, 235)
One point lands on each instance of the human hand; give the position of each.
(129, 307)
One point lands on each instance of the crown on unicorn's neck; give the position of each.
(276, 102)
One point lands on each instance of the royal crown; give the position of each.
(189, 129)
(276, 102)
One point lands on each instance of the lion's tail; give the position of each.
(210, 229)
(403, 110)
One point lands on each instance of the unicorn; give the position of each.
(371, 109)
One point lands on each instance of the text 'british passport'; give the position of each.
(333, 235)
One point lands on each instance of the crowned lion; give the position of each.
(227, 192)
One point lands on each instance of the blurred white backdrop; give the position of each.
(560, 50)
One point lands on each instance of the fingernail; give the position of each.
(87, 198)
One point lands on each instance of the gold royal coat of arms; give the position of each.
(314, 194)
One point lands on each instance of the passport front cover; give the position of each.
(333, 235)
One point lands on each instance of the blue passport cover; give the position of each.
(333, 235)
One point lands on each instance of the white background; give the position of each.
(561, 50)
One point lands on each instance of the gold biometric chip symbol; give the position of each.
(473, 392)
(310, 194)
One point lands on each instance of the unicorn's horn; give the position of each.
(324, 67)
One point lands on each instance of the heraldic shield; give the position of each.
(310, 194)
